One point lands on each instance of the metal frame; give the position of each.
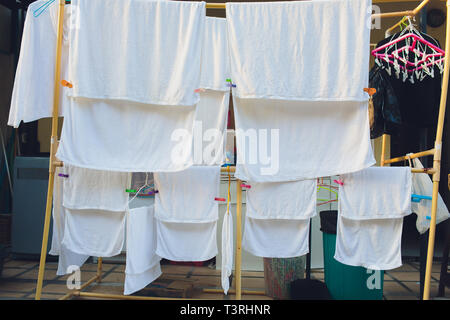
(54, 162)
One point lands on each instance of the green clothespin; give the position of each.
(130, 190)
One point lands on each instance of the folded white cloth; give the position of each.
(141, 258)
(374, 244)
(276, 238)
(300, 50)
(153, 55)
(209, 135)
(376, 193)
(32, 96)
(95, 189)
(282, 200)
(188, 196)
(107, 135)
(423, 185)
(94, 232)
(227, 251)
(186, 241)
(294, 140)
(215, 66)
(67, 259)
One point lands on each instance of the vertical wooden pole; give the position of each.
(99, 269)
(53, 143)
(383, 149)
(238, 259)
(437, 160)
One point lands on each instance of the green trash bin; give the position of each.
(346, 282)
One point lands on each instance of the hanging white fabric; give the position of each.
(186, 241)
(209, 134)
(282, 200)
(215, 66)
(376, 193)
(188, 196)
(94, 232)
(300, 50)
(32, 96)
(423, 185)
(374, 244)
(66, 258)
(227, 251)
(142, 263)
(95, 189)
(276, 238)
(280, 140)
(152, 56)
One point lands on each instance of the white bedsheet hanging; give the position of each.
(280, 140)
(152, 55)
(142, 263)
(294, 200)
(95, 189)
(300, 50)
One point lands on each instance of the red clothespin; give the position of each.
(339, 182)
(66, 84)
(220, 199)
(246, 186)
(199, 90)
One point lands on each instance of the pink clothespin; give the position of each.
(220, 199)
(339, 182)
(199, 90)
(246, 186)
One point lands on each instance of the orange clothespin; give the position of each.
(370, 91)
(66, 84)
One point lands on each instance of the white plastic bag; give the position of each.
(422, 185)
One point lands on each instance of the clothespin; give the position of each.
(339, 182)
(370, 91)
(63, 175)
(246, 186)
(230, 84)
(66, 84)
(38, 11)
(152, 192)
(220, 199)
(131, 190)
(199, 90)
(418, 197)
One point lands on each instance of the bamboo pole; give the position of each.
(412, 156)
(437, 160)
(99, 269)
(383, 150)
(84, 286)
(238, 259)
(232, 291)
(53, 142)
(122, 297)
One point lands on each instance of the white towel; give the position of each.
(300, 50)
(227, 251)
(111, 136)
(95, 189)
(374, 244)
(188, 196)
(186, 241)
(294, 140)
(32, 96)
(276, 238)
(376, 193)
(94, 232)
(153, 53)
(423, 185)
(209, 135)
(141, 258)
(66, 258)
(215, 66)
(282, 200)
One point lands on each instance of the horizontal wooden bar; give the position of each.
(85, 285)
(123, 297)
(424, 170)
(412, 156)
(232, 291)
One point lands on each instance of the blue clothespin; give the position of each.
(38, 11)
(418, 197)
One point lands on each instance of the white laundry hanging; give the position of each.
(276, 238)
(152, 56)
(66, 258)
(376, 193)
(95, 189)
(188, 196)
(32, 96)
(282, 200)
(142, 263)
(186, 241)
(279, 140)
(300, 50)
(227, 251)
